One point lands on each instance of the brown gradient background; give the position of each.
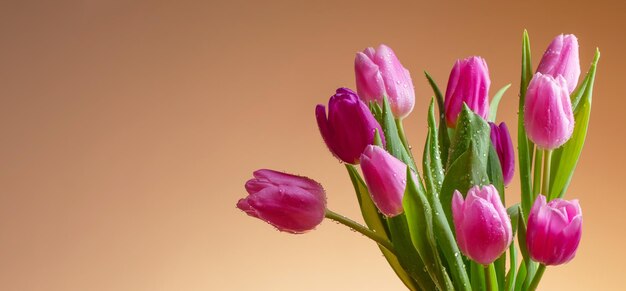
(128, 128)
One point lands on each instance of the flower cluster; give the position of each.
(423, 221)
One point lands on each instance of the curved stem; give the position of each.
(360, 228)
(537, 278)
(547, 160)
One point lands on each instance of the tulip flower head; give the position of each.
(379, 73)
(385, 177)
(483, 229)
(468, 83)
(548, 116)
(501, 140)
(291, 203)
(349, 127)
(561, 59)
(554, 230)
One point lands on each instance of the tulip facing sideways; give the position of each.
(483, 229)
(501, 140)
(548, 116)
(291, 203)
(379, 73)
(468, 83)
(385, 177)
(349, 127)
(561, 59)
(554, 230)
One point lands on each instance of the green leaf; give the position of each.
(468, 170)
(524, 146)
(419, 213)
(444, 139)
(432, 163)
(394, 144)
(374, 220)
(408, 256)
(468, 158)
(564, 159)
(470, 128)
(433, 176)
(495, 101)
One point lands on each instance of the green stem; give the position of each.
(547, 160)
(538, 275)
(360, 228)
(536, 176)
(403, 139)
(490, 278)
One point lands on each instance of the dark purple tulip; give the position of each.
(501, 140)
(291, 203)
(349, 127)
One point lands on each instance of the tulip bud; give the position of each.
(468, 83)
(379, 73)
(554, 230)
(350, 125)
(483, 229)
(501, 140)
(548, 116)
(385, 177)
(561, 58)
(290, 203)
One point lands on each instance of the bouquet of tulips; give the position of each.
(442, 224)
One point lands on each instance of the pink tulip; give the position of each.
(349, 127)
(291, 203)
(548, 116)
(468, 83)
(483, 229)
(379, 73)
(561, 58)
(385, 177)
(554, 230)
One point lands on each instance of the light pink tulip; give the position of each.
(379, 73)
(554, 230)
(291, 203)
(548, 116)
(561, 59)
(385, 177)
(483, 229)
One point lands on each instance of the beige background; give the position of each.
(128, 128)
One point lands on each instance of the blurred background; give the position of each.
(128, 128)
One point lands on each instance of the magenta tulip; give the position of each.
(561, 59)
(291, 203)
(483, 229)
(349, 127)
(548, 116)
(379, 73)
(554, 230)
(468, 83)
(501, 140)
(385, 177)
